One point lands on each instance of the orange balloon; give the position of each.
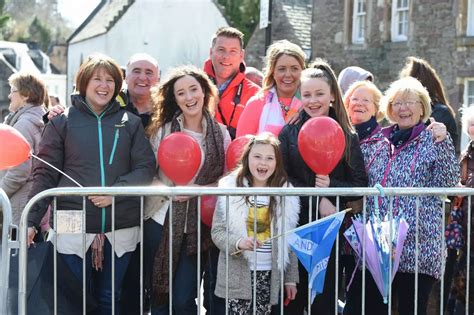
(321, 144)
(14, 148)
(208, 205)
(235, 150)
(179, 156)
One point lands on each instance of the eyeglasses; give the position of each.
(410, 104)
(363, 101)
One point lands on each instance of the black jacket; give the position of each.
(300, 175)
(441, 113)
(106, 150)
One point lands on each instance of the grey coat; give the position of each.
(239, 281)
(17, 181)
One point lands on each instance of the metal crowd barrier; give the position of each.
(194, 191)
(7, 245)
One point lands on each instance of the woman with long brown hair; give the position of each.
(321, 97)
(184, 102)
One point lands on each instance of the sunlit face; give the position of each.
(361, 105)
(226, 56)
(189, 96)
(262, 163)
(287, 74)
(141, 76)
(100, 90)
(16, 99)
(406, 110)
(470, 129)
(316, 97)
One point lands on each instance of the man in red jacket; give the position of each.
(226, 69)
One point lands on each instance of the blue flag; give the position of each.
(312, 244)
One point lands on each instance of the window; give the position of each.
(400, 20)
(358, 21)
(470, 18)
(468, 101)
(469, 92)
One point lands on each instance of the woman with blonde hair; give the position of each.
(362, 102)
(410, 154)
(184, 102)
(441, 111)
(279, 99)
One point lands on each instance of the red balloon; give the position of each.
(179, 156)
(14, 148)
(321, 144)
(235, 150)
(208, 205)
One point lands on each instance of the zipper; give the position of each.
(101, 155)
(114, 147)
(102, 170)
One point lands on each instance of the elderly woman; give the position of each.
(441, 111)
(279, 99)
(27, 92)
(409, 154)
(362, 102)
(184, 102)
(98, 144)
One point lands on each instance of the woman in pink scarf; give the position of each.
(279, 100)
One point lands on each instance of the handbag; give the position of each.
(454, 232)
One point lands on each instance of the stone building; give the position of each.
(291, 20)
(378, 35)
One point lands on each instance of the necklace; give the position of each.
(284, 107)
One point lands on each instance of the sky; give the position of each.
(76, 11)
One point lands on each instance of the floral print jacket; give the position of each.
(419, 162)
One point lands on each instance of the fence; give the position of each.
(193, 191)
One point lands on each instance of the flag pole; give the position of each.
(298, 228)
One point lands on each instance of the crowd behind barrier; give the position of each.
(179, 191)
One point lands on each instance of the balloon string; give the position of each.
(54, 167)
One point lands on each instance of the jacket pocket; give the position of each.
(114, 147)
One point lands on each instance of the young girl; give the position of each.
(261, 166)
(321, 97)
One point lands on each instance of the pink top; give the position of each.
(249, 121)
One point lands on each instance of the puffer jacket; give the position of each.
(239, 281)
(96, 150)
(17, 181)
(345, 174)
(227, 98)
(419, 162)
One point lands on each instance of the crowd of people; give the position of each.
(110, 134)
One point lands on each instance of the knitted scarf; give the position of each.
(210, 172)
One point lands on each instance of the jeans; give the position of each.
(184, 287)
(214, 305)
(99, 283)
(130, 300)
